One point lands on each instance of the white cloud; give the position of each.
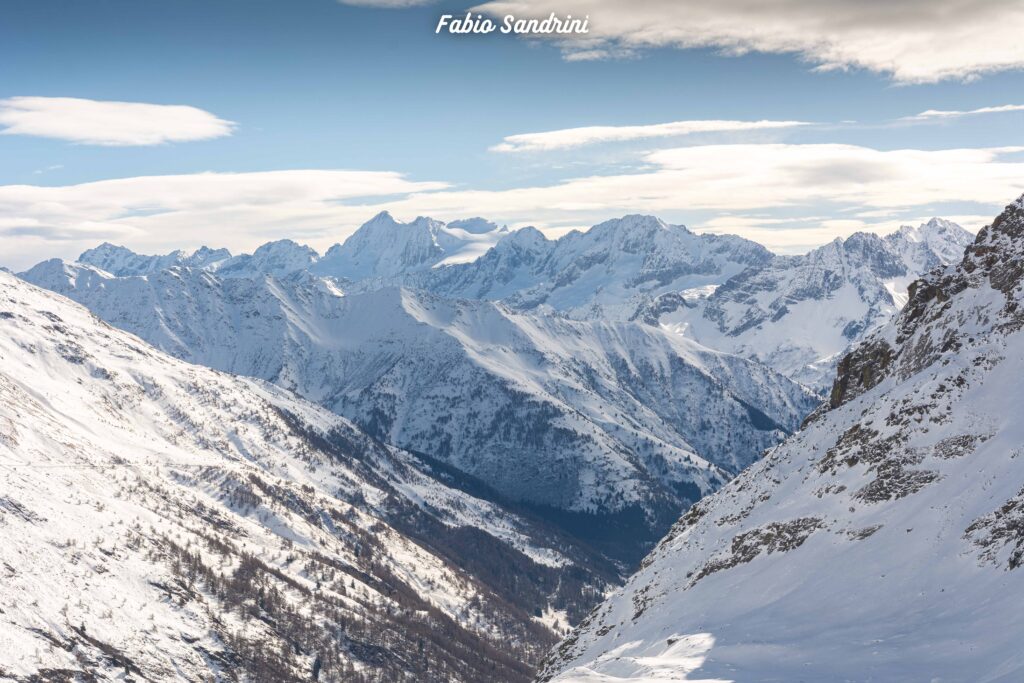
(689, 184)
(95, 122)
(576, 137)
(938, 114)
(913, 41)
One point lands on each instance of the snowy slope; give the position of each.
(603, 273)
(799, 314)
(882, 542)
(170, 522)
(578, 416)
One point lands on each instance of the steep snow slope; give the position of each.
(577, 416)
(798, 314)
(882, 542)
(163, 521)
(385, 248)
(604, 273)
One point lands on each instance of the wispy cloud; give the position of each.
(95, 122)
(913, 41)
(47, 169)
(937, 114)
(387, 4)
(566, 138)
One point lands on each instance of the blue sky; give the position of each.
(316, 85)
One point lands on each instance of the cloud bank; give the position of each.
(758, 182)
(115, 124)
(913, 41)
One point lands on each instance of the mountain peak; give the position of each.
(529, 237)
(103, 249)
(634, 221)
(934, 228)
(382, 217)
(284, 245)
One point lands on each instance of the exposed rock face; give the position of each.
(880, 541)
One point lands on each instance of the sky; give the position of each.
(164, 125)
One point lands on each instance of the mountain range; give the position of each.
(462, 386)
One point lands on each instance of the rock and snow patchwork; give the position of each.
(164, 521)
(881, 542)
(799, 314)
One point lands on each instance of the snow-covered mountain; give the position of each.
(385, 248)
(798, 314)
(603, 273)
(584, 418)
(164, 521)
(881, 542)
